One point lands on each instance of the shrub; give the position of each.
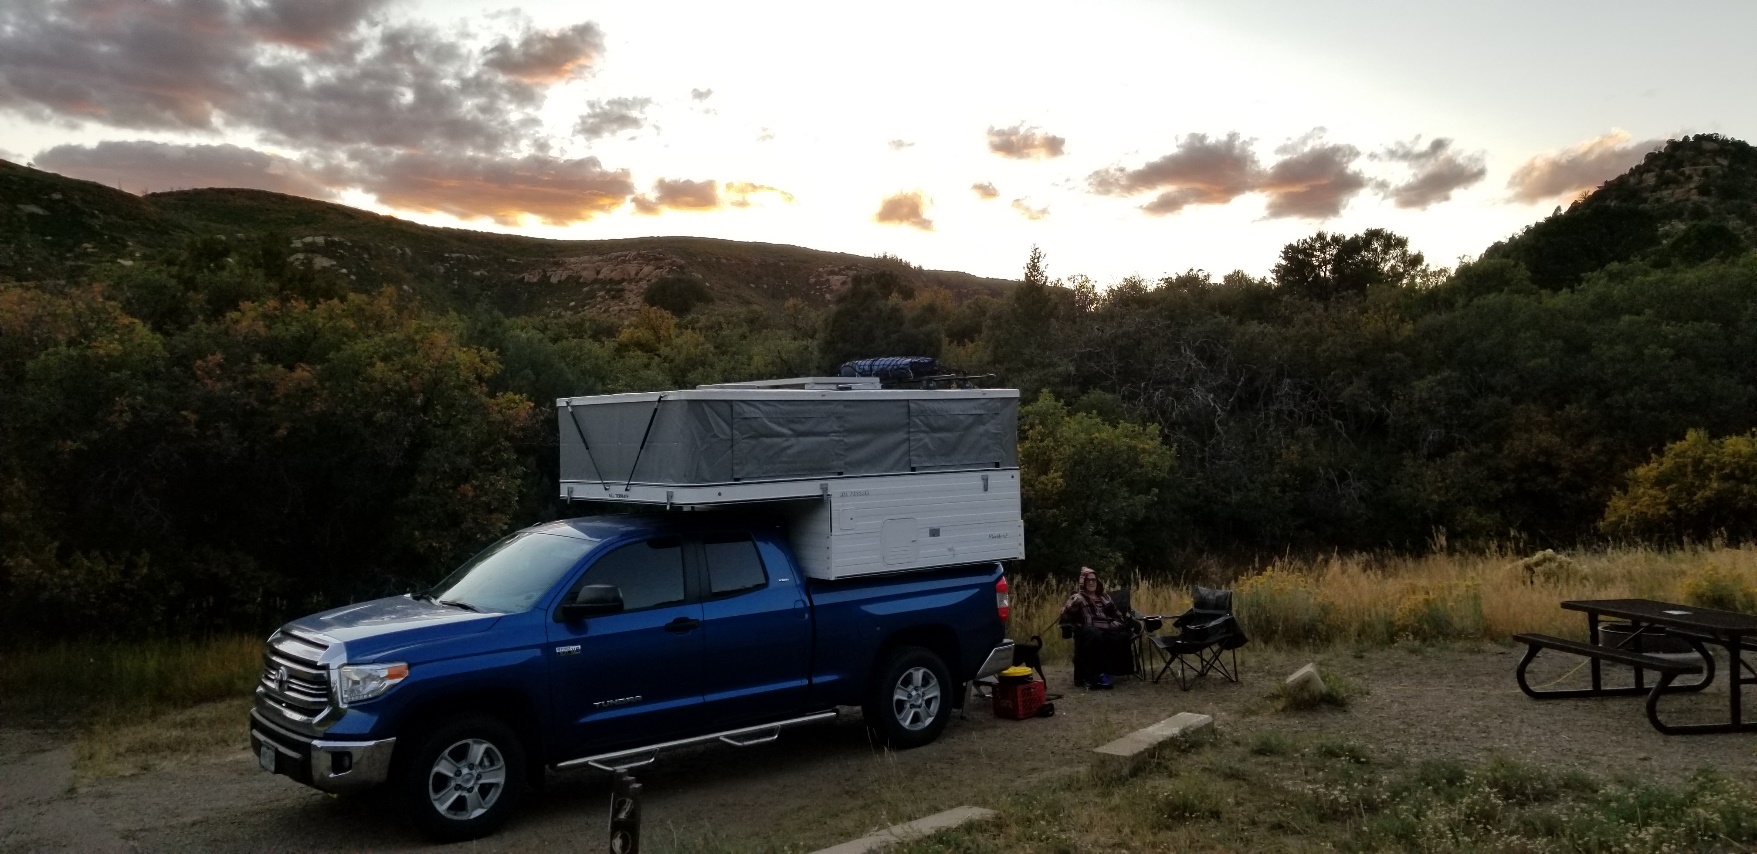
(1547, 567)
(1713, 587)
(1281, 606)
(1696, 488)
(677, 293)
(1088, 484)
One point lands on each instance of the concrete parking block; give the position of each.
(911, 830)
(1125, 757)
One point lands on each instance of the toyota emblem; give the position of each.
(281, 680)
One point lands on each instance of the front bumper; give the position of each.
(332, 766)
(1000, 659)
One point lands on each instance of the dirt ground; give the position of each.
(819, 786)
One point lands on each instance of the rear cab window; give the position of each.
(734, 566)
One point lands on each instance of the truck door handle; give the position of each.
(682, 624)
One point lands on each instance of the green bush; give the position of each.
(1088, 485)
(1697, 488)
(677, 293)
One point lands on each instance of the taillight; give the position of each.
(1003, 601)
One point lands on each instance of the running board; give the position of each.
(622, 760)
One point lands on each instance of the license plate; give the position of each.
(267, 758)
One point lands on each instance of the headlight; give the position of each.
(357, 683)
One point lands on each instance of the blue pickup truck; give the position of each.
(601, 642)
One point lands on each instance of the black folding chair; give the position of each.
(1207, 640)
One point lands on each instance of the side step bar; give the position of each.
(622, 760)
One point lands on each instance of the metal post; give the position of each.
(1736, 683)
(1592, 629)
(625, 815)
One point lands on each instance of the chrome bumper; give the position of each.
(332, 766)
(1000, 659)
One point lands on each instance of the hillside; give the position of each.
(1692, 201)
(58, 227)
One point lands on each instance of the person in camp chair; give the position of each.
(1101, 640)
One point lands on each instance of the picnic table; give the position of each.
(1730, 630)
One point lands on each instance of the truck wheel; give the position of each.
(463, 779)
(911, 699)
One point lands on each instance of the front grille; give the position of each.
(304, 690)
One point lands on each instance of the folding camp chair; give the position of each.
(1136, 627)
(1207, 640)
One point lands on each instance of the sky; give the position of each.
(1123, 138)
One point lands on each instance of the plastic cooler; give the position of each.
(1018, 702)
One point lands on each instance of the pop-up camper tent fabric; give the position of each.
(692, 438)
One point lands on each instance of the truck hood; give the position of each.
(393, 623)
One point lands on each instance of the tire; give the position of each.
(910, 700)
(463, 779)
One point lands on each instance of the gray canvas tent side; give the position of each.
(732, 436)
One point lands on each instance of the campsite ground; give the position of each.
(820, 786)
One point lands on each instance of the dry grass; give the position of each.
(122, 747)
(72, 682)
(1361, 600)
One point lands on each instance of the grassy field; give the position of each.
(1363, 600)
(1274, 792)
(74, 683)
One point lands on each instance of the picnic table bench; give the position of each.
(1695, 626)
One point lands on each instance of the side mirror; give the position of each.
(592, 600)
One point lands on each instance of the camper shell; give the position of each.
(870, 480)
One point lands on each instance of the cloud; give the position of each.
(1201, 171)
(308, 24)
(985, 191)
(1313, 180)
(616, 115)
(1029, 212)
(141, 166)
(738, 193)
(1577, 170)
(503, 189)
(904, 209)
(764, 135)
(679, 195)
(701, 94)
(1022, 143)
(317, 73)
(900, 144)
(1437, 171)
(423, 118)
(548, 56)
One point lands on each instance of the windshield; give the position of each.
(512, 574)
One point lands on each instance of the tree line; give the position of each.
(220, 439)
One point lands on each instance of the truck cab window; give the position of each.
(649, 574)
(733, 565)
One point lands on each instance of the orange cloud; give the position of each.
(548, 56)
(679, 195)
(1577, 170)
(985, 191)
(1027, 211)
(1022, 143)
(904, 209)
(739, 192)
(502, 189)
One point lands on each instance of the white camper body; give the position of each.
(896, 523)
(872, 481)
